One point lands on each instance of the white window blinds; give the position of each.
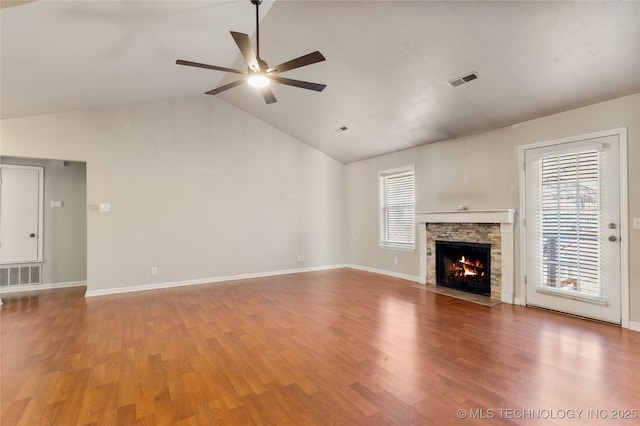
(569, 221)
(397, 208)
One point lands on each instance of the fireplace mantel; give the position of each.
(504, 217)
(467, 216)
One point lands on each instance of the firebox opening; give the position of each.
(464, 266)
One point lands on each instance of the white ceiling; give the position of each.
(388, 62)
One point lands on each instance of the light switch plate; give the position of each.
(636, 223)
(105, 207)
(55, 203)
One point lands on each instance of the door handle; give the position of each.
(32, 235)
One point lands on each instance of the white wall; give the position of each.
(197, 188)
(482, 172)
(65, 228)
(475, 171)
(200, 189)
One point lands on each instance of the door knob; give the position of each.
(612, 226)
(613, 238)
(32, 235)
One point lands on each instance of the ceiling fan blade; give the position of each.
(297, 83)
(225, 87)
(11, 3)
(308, 59)
(210, 67)
(244, 44)
(267, 94)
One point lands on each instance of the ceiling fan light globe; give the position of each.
(258, 80)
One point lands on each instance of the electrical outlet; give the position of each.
(636, 223)
(395, 261)
(154, 270)
(300, 258)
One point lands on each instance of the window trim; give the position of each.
(381, 230)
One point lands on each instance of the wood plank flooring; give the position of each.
(332, 347)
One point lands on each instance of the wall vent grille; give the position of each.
(14, 275)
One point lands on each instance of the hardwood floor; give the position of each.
(332, 347)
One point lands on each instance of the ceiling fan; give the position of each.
(259, 74)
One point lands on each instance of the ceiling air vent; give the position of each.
(464, 79)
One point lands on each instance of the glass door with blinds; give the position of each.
(572, 228)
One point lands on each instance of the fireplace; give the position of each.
(493, 227)
(464, 266)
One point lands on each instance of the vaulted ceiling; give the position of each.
(387, 69)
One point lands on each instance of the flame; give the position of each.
(468, 270)
(464, 267)
(470, 267)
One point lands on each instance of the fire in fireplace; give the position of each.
(464, 266)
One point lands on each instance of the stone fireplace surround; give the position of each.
(464, 222)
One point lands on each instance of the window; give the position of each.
(397, 208)
(569, 218)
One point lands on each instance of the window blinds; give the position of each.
(397, 197)
(569, 221)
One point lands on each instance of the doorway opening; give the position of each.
(47, 247)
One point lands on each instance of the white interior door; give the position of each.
(573, 227)
(21, 199)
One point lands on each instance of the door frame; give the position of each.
(40, 234)
(621, 133)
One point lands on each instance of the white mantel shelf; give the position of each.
(467, 216)
(506, 219)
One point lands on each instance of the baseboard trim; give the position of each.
(36, 287)
(634, 325)
(211, 280)
(408, 277)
